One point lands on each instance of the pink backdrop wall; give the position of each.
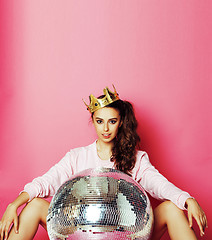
(158, 55)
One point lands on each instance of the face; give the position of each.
(106, 122)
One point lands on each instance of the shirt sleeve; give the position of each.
(157, 185)
(48, 184)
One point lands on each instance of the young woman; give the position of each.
(116, 147)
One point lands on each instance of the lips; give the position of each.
(106, 135)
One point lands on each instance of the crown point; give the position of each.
(109, 97)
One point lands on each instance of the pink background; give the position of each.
(158, 55)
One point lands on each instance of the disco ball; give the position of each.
(100, 204)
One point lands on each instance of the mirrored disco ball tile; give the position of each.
(99, 204)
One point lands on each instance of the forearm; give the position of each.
(47, 184)
(160, 188)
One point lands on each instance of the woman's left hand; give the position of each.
(196, 212)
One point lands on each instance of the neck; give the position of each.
(105, 146)
(104, 150)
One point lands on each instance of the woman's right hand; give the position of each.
(10, 216)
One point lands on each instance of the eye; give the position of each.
(113, 121)
(99, 121)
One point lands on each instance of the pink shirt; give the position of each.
(82, 158)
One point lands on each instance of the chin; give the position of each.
(109, 140)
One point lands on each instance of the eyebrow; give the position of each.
(108, 119)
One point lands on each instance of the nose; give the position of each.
(106, 128)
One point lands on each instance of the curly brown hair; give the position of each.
(127, 139)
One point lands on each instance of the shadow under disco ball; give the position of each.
(99, 204)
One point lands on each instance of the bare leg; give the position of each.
(31, 216)
(168, 216)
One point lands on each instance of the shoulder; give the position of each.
(142, 164)
(79, 155)
(142, 160)
(140, 155)
(84, 149)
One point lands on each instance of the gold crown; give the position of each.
(109, 97)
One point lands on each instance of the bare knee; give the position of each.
(38, 208)
(170, 209)
(168, 205)
(166, 211)
(169, 216)
(165, 214)
(37, 203)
